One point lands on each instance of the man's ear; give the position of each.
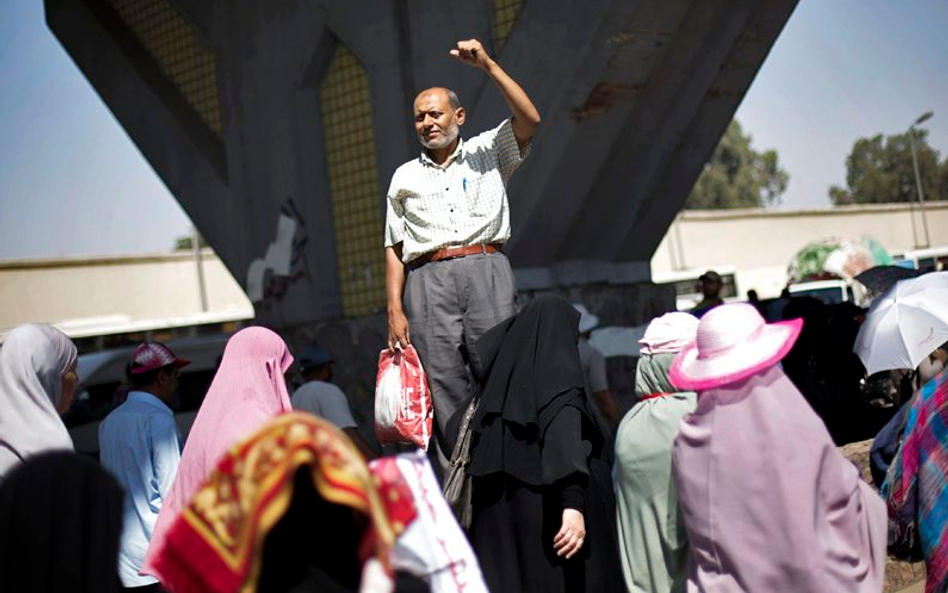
(164, 376)
(461, 115)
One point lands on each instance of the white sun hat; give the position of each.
(733, 343)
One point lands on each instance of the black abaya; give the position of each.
(536, 450)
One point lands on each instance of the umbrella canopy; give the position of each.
(905, 324)
(881, 278)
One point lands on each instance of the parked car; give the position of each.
(831, 292)
(932, 259)
(687, 285)
(102, 386)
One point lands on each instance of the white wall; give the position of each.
(761, 243)
(139, 287)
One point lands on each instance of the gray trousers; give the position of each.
(449, 305)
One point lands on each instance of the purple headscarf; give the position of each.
(769, 501)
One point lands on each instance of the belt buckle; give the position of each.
(458, 252)
(455, 252)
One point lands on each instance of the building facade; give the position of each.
(277, 124)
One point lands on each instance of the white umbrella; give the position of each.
(905, 324)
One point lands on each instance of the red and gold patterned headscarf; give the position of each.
(216, 544)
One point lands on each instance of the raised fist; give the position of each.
(472, 53)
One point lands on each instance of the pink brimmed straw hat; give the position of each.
(733, 343)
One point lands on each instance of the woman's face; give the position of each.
(70, 381)
(933, 364)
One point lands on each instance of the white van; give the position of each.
(688, 287)
(831, 292)
(102, 377)
(932, 259)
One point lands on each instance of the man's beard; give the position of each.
(445, 138)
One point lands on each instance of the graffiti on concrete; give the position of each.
(282, 265)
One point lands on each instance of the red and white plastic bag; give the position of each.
(403, 409)
(433, 545)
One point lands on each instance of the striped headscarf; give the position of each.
(216, 544)
(916, 488)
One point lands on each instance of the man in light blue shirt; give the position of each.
(139, 443)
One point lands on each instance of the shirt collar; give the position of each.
(457, 155)
(149, 398)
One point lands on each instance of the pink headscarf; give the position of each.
(248, 391)
(769, 502)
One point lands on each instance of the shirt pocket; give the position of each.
(484, 195)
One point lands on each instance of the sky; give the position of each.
(72, 183)
(845, 69)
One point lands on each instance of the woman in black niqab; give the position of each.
(60, 524)
(543, 505)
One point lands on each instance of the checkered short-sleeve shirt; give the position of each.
(462, 203)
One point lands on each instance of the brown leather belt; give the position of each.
(454, 252)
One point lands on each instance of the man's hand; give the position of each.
(472, 53)
(397, 330)
(526, 118)
(571, 535)
(394, 285)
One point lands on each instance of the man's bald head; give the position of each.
(448, 94)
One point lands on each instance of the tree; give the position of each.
(184, 242)
(880, 170)
(942, 180)
(737, 176)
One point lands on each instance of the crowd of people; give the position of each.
(721, 477)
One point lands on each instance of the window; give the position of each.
(171, 42)
(505, 15)
(353, 184)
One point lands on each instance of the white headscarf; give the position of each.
(33, 359)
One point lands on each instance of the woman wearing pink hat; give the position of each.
(770, 504)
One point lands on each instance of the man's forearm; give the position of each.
(607, 405)
(394, 278)
(526, 117)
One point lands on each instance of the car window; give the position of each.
(96, 401)
(830, 295)
(93, 403)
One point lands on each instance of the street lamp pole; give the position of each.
(918, 177)
(196, 251)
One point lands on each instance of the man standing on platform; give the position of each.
(446, 223)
